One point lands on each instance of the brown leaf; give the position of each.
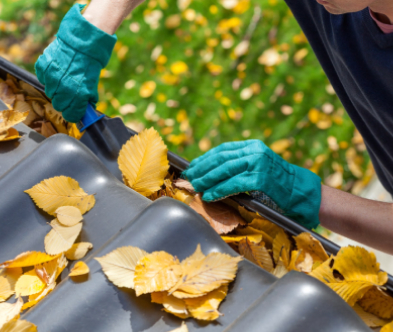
(47, 129)
(184, 184)
(221, 217)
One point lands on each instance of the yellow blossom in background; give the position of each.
(147, 89)
(179, 68)
(214, 69)
(170, 79)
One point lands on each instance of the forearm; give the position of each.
(107, 15)
(363, 220)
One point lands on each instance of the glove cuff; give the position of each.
(86, 38)
(305, 200)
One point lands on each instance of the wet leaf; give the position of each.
(50, 194)
(119, 265)
(143, 162)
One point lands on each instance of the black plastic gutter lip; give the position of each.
(180, 164)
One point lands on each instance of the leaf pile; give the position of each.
(194, 287)
(37, 110)
(33, 274)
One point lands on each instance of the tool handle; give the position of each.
(89, 118)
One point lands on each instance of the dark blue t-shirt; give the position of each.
(357, 57)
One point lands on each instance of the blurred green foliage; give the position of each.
(205, 90)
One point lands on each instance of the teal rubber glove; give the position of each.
(70, 66)
(250, 166)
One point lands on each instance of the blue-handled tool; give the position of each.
(89, 118)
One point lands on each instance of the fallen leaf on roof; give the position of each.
(9, 311)
(50, 194)
(256, 253)
(80, 268)
(68, 215)
(28, 258)
(119, 265)
(78, 250)
(61, 238)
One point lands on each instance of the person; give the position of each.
(353, 41)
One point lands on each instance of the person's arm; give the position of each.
(107, 15)
(363, 220)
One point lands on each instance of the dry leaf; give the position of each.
(301, 261)
(8, 278)
(196, 256)
(281, 247)
(156, 272)
(387, 328)
(29, 283)
(80, 268)
(9, 119)
(6, 290)
(68, 215)
(184, 184)
(73, 131)
(182, 328)
(221, 217)
(266, 226)
(78, 250)
(256, 253)
(205, 275)
(307, 243)
(17, 325)
(378, 303)
(171, 304)
(206, 307)
(34, 299)
(56, 118)
(143, 162)
(47, 129)
(246, 214)
(10, 135)
(280, 270)
(369, 319)
(61, 238)
(252, 231)
(9, 311)
(30, 91)
(50, 194)
(6, 94)
(28, 258)
(256, 238)
(183, 196)
(119, 265)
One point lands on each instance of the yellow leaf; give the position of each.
(68, 215)
(307, 243)
(56, 119)
(182, 328)
(74, 132)
(9, 311)
(266, 226)
(28, 258)
(80, 268)
(183, 196)
(378, 303)
(34, 299)
(301, 261)
(246, 214)
(256, 253)
(143, 162)
(17, 325)
(256, 238)
(202, 276)
(156, 272)
(9, 119)
(280, 270)
(78, 250)
(50, 194)
(206, 307)
(171, 304)
(10, 135)
(351, 290)
(28, 284)
(281, 247)
(369, 319)
(6, 289)
(253, 231)
(196, 256)
(119, 265)
(387, 328)
(61, 238)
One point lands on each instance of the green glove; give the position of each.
(249, 166)
(70, 66)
